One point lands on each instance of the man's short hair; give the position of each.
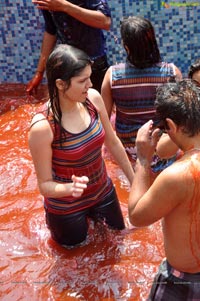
(180, 101)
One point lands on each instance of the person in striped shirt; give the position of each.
(65, 139)
(130, 87)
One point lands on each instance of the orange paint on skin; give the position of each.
(195, 213)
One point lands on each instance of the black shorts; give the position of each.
(172, 285)
(71, 229)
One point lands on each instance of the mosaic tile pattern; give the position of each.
(177, 27)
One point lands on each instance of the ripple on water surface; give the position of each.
(110, 266)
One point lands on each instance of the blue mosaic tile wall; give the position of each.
(177, 27)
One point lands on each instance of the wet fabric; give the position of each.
(79, 154)
(172, 285)
(73, 32)
(157, 165)
(134, 93)
(99, 68)
(71, 229)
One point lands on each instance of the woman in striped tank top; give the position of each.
(130, 87)
(65, 141)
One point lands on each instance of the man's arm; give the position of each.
(143, 176)
(48, 44)
(150, 202)
(93, 18)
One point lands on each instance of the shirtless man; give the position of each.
(166, 148)
(174, 196)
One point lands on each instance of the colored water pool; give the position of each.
(111, 266)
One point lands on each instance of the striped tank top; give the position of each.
(134, 93)
(79, 154)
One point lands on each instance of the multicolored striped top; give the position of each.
(79, 154)
(134, 93)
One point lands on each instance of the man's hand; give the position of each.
(146, 141)
(34, 82)
(53, 5)
(90, 17)
(79, 185)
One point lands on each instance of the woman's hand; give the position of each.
(79, 185)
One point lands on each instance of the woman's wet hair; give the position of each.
(138, 35)
(180, 102)
(194, 68)
(63, 63)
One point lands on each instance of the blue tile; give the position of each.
(21, 30)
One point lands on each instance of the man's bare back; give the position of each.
(174, 196)
(181, 227)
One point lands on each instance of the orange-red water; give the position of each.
(111, 266)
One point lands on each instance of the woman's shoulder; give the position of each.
(93, 95)
(41, 113)
(119, 66)
(165, 65)
(40, 120)
(119, 71)
(40, 129)
(37, 118)
(94, 99)
(171, 68)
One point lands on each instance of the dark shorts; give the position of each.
(172, 285)
(99, 69)
(71, 229)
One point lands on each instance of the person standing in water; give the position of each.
(166, 148)
(65, 141)
(79, 24)
(174, 195)
(130, 87)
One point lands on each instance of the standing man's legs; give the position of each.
(99, 69)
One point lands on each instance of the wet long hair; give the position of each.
(63, 63)
(138, 35)
(180, 102)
